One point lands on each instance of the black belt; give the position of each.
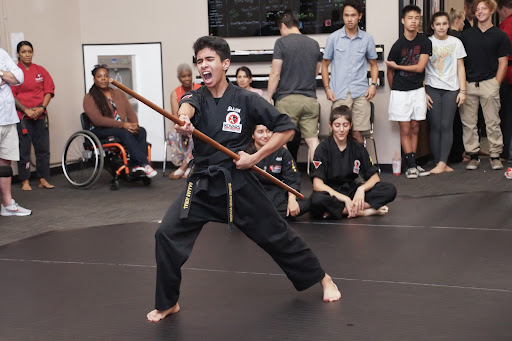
(211, 171)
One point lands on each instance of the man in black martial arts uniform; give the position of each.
(228, 114)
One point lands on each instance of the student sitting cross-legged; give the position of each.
(338, 163)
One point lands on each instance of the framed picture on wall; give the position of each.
(435, 6)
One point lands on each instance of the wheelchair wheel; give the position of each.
(82, 160)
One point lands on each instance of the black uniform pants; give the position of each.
(304, 206)
(135, 145)
(321, 202)
(254, 215)
(37, 135)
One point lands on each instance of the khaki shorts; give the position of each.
(9, 144)
(361, 110)
(304, 113)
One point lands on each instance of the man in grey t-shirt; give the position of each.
(292, 83)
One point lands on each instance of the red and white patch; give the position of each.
(232, 124)
(317, 164)
(275, 168)
(186, 96)
(357, 166)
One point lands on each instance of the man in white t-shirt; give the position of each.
(10, 74)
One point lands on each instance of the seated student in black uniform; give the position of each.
(281, 165)
(338, 163)
(228, 114)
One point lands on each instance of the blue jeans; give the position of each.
(135, 144)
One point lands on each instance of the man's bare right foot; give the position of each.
(331, 292)
(157, 315)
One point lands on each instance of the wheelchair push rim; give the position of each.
(82, 159)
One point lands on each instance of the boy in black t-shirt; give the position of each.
(406, 72)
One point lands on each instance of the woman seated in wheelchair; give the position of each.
(111, 114)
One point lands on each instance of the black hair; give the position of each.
(288, 19)
(244, 69)
(356, 4)
(434, 17)
(410, 8)
(23, 43)
(217, 44)
(341, 111)
(97, 95)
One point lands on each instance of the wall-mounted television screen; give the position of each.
(247, 18)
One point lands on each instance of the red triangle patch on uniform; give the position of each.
(317, 164)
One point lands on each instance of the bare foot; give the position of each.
(331, 292)
(449, 169)
(45, 184)
(157, 315)
(372, 211)
(25, 186)
(439, 168)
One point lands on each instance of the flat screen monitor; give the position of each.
(248, 18)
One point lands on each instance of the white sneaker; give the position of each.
(14, 210)
(421, 171)
(412, 173)
(150, 172)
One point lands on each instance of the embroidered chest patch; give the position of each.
(39, 77)
(233, 123)
(275, 168)
(357, 166)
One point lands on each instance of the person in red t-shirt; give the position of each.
(505, 13)
(32, 97)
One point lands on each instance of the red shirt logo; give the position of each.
(232, 118)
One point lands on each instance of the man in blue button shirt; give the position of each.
(350, 49)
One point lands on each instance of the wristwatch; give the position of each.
(376, 84)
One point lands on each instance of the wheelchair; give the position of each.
(85, 156)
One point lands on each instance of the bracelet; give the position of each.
(326, 87)
(462, 91)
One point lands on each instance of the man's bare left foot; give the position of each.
(331, 292)
(157, 315)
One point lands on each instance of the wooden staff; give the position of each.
(203, 137)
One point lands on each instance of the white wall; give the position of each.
(58, 28)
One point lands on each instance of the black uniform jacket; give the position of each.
(281, 165)
(231, 123)
(339, 170)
